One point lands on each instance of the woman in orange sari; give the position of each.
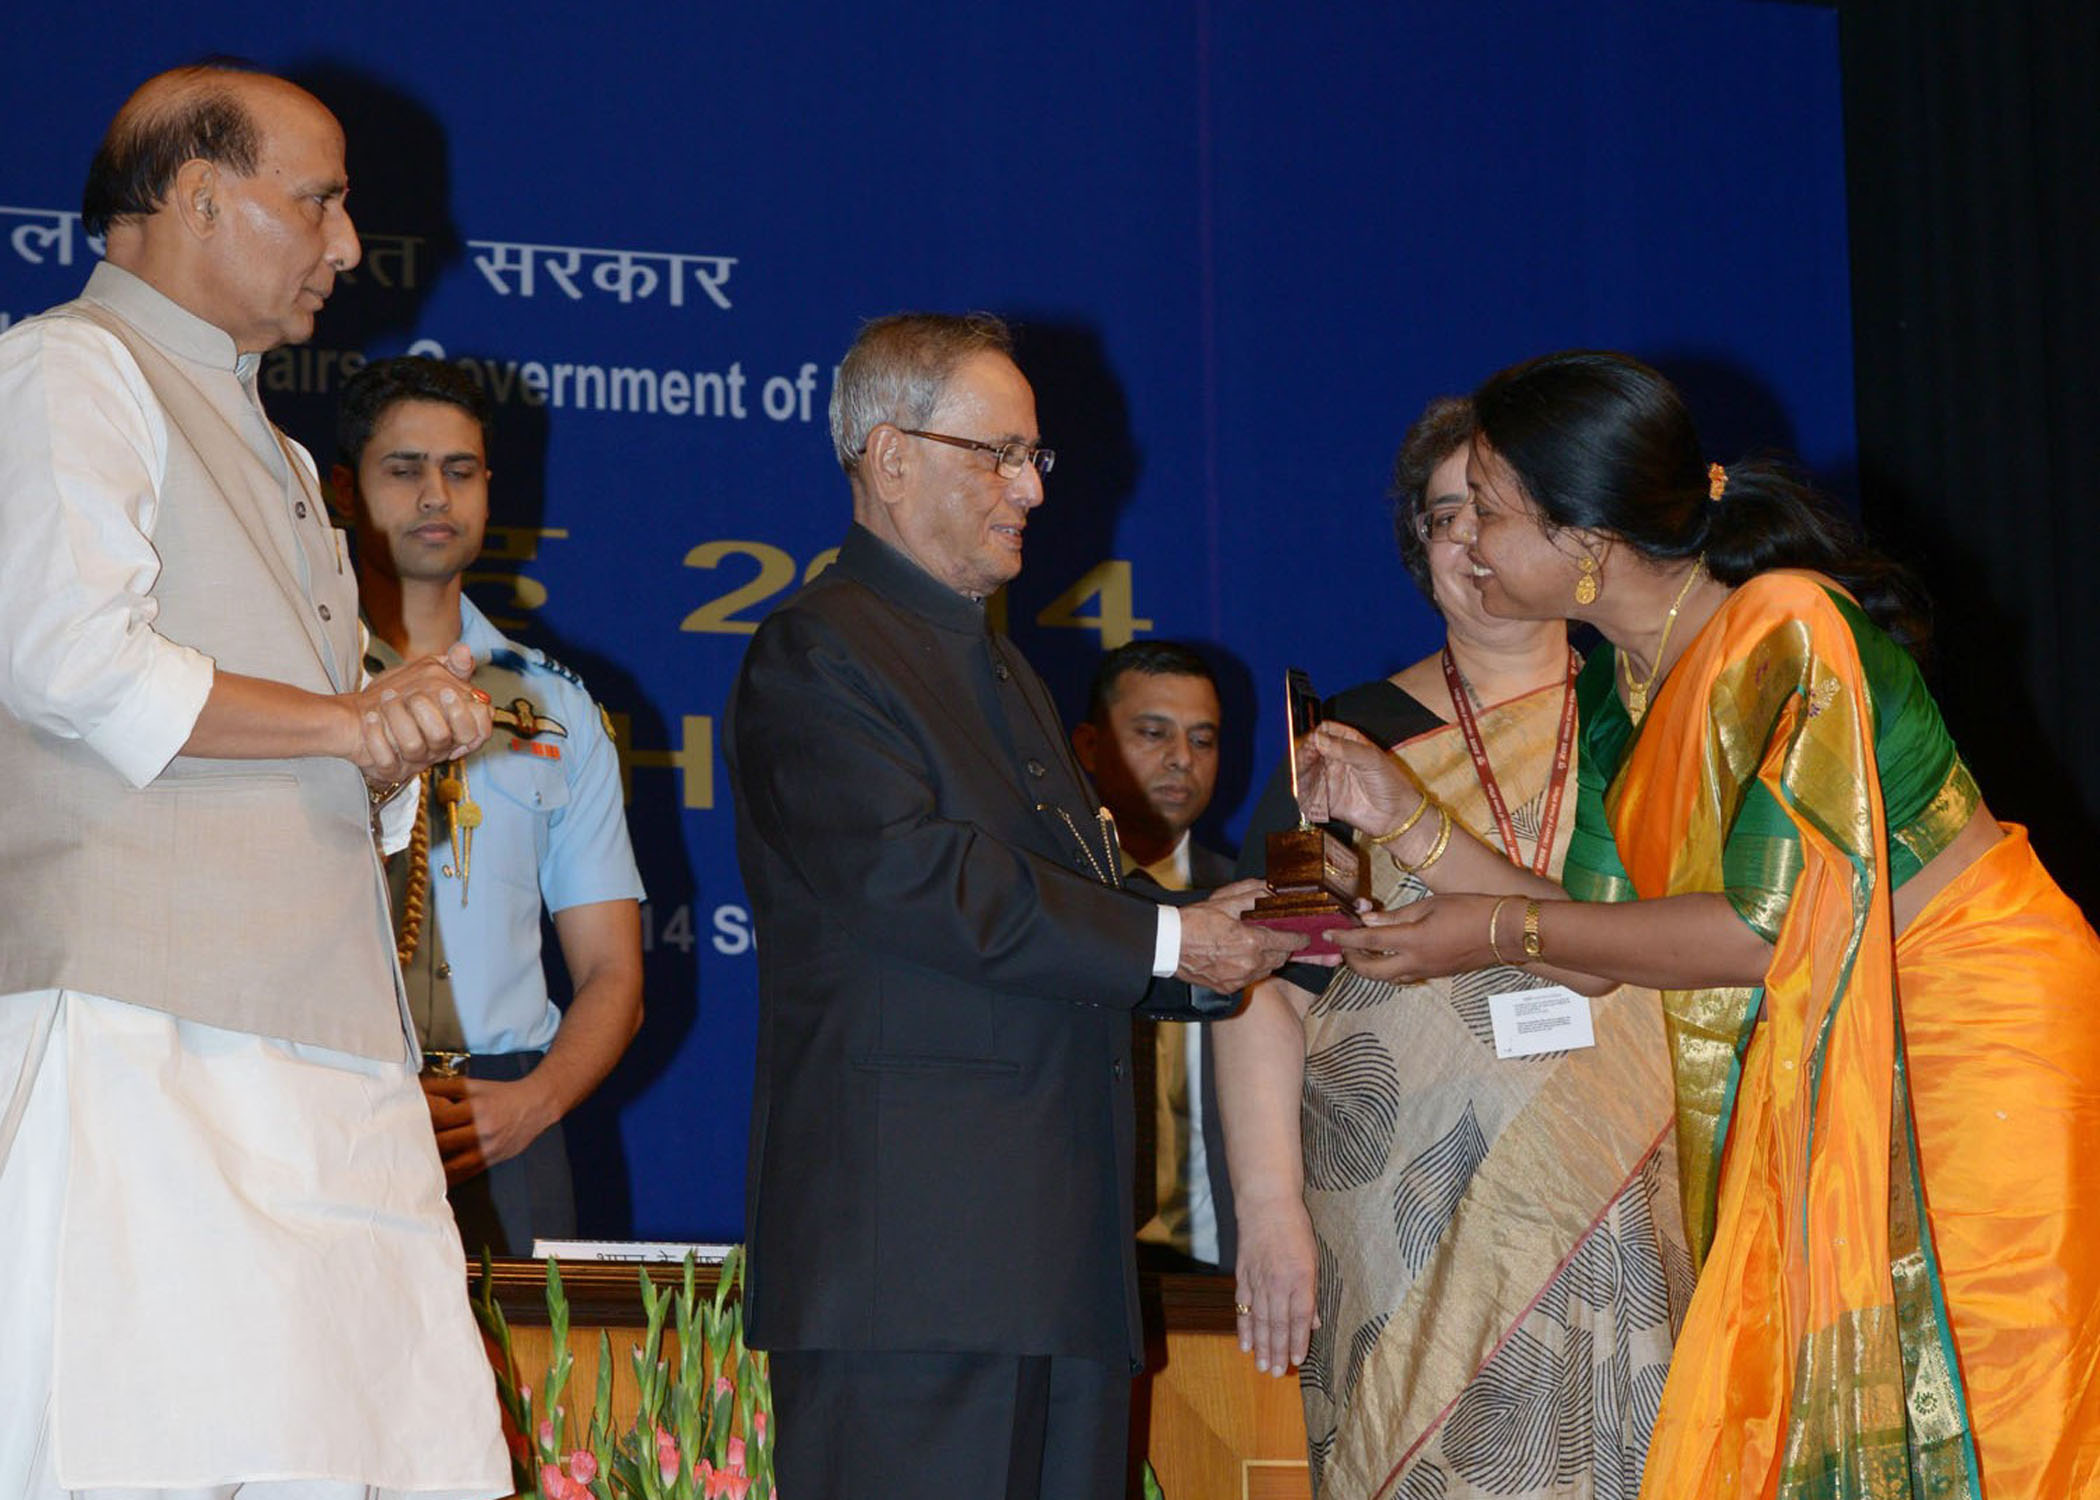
(1885, 1054)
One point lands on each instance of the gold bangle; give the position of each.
(1534, 948)
(1413, 818)
(1494, 916)
(1436, 850)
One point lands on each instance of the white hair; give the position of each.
(897, 369)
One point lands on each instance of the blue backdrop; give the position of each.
(1244, 247)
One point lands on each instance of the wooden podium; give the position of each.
(1214, 1428)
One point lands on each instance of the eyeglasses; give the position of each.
(1435, 525)
(1012, 458)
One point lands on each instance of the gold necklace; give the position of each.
(1637, 692)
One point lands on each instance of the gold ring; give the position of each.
(1242, 1308)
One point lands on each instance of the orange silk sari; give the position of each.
(1886, 1151)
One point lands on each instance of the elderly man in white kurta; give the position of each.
(228, 1260)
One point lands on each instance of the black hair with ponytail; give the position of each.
(1602, 442)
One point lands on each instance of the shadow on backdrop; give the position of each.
(1084, 415)
(400, 198)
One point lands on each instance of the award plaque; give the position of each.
(1315, 880)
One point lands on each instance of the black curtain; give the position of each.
(1971, 132)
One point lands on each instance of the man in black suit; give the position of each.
(1150, 743)
(939, 1207)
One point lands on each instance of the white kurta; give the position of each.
(228, 1259)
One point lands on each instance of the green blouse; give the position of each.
(1927, 793)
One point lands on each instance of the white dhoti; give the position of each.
(226, 1265)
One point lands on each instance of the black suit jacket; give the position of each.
(941, 1136)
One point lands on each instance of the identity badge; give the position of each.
(1553, 1019)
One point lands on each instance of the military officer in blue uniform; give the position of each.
(533, 819)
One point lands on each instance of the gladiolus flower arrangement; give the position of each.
(700, 1432)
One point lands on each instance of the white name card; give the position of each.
(1528, 1022)
(628, 1250)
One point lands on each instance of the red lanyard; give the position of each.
(1556, 787)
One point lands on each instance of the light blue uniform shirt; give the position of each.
(553, 833)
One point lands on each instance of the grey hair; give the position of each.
(897, 369)
(1445, 426)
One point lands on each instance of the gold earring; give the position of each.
(1586, 585)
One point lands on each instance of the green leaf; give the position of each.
(601, 1403)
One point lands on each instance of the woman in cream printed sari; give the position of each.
(1475, 1260)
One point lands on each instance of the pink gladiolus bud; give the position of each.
(736, 1454)
(735, 1486)
(758, 1427)
(666, 1455)
(583, 1465)
(704, 1476)
(559, 1486)
(546, 1434)
(724, 1386)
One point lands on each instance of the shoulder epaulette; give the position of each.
(557, 668)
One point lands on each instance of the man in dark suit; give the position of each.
(939, 1206)
(1150, 743)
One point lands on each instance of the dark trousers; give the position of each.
(515, 1202)
(855, 1425)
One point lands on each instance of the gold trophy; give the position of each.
(1315, 880)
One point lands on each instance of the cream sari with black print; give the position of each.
(1501, 1258)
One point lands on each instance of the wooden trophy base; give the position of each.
(1315, 881)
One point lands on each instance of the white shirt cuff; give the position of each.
(154, 720)
(1166, 948)
(397, 816)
